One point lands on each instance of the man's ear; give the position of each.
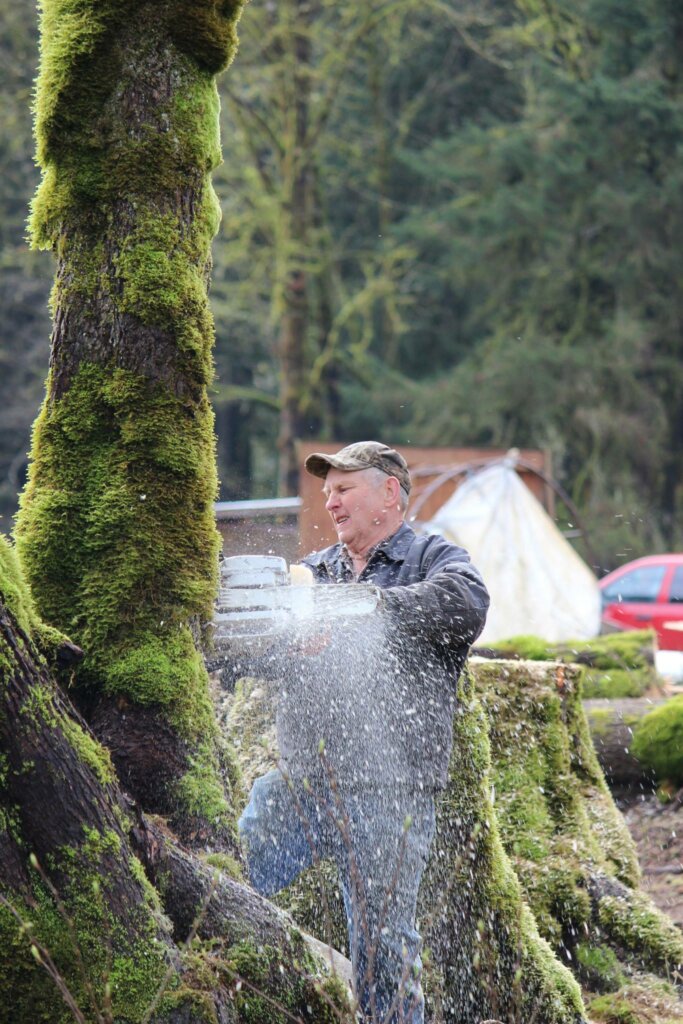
(392, 491)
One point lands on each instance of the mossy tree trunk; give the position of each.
(59, 803)
(116, 529)
(77, 910)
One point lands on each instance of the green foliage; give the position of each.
(658, 741)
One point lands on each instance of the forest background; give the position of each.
(443, 224)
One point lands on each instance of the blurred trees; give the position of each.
(440, 226)
(25, 277)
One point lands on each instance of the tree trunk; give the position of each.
(116, 528)
(60, 804)
(69, 841)
(297, 222)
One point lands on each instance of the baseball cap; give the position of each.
(362, 455)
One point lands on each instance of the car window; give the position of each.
(676, 592)
(641, 584)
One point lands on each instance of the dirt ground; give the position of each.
(658, 833)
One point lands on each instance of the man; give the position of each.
(365, 724)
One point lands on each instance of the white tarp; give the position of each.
(538, 584)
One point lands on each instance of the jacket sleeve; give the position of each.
(447, 604)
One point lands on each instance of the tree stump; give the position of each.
(533, 884)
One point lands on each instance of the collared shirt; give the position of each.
(382, 694)
(430, 586)
(383, 549)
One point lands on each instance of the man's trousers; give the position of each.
(379, 840)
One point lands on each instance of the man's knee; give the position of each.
(272, 837)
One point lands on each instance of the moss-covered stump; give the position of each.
(568, 843)
(533, 873)
(116, 528)
(615, 665)
(484, 957)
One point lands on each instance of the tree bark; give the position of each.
(297, 213)
(116, 528)
(69, 841)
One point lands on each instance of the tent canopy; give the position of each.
(538, 583)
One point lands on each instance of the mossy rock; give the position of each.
(658, 741)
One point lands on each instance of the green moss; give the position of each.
(314, 901)
(489, 960)
(250, 730)
(162, 269)
(14, 591)
(271, 992)
(119, 555)
(645, 1000)
(91, 753)
(132, 962)
(600, 721)
(615, 683)
(208, 31)
(200, 789)
(636, 925)
(198, 1006)
(616, 665)
(91, 55)
(599, 968)
(39, 705)
(658, 741)
(227, 864)
(612, 1009)
(530, 647)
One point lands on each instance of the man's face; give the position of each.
(357, 504)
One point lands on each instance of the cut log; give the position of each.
(611, 724)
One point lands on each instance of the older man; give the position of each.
(365, 724)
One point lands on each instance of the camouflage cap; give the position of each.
(362, 455)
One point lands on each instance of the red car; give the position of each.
(647, 592)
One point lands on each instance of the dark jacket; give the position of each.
(382, 694)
